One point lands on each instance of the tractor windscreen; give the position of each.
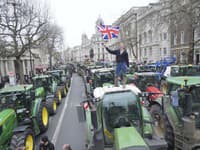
(188, 103)
(120, 109)
(37, 83)
(143, 80)
(105, 77)
(185, 71)
(7, 101)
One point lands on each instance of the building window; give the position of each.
(182, 37)
(160, 51)
(198, 34)
(175, 39)
(141, 54)
(140, 39)
(150, 51)
(150, 35)
(160, 36)
(145, 52)
(165, 36)
(165, 51)
(145, 37)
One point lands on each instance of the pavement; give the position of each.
(64, 127)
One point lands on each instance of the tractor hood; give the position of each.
(39, 92)
(8, 121)
(128, 138)
(5, 114)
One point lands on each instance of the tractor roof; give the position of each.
(55, 71)
(191, 80)
(16, 88)
(99, 92)
(102, 70)
(41, 77)
(146, 73)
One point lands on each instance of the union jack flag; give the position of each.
(108, 31)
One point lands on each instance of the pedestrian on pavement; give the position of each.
(67, 147)
(45, 144)
(122, 61)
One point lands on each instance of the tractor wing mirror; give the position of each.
(80, 113)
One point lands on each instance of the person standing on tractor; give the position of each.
(122, 61)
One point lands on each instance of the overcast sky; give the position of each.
(79, 16)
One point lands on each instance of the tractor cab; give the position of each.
(98, 78)
(44, 82)
(182, 70)
(18, 97)
(144, 79)
(120, 109)
(182, 112)
(59, 76)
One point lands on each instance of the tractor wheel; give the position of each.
(64, 93)
(51, 106)
(23, 140)
(43, 117)
(163, 86)
(59, 96)
(67, 85)
(169, 134)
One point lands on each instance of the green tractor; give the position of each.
(181, 111)
(61, 81)
(46, 87)
(98, 78)
(116, 120)
(67, 70)
(22, 117)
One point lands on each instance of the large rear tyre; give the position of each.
(23, 140)
(169, 134)
(43, 118)
(59, 96)
(51, 106)
(64, 92)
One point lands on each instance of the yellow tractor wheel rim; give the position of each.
(45, 116)
(29, 142)
(54, 106)
(59, 96)
(65, 92)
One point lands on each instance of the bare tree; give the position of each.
(54, 41)
(21, 27)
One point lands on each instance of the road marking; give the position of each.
(57, 131)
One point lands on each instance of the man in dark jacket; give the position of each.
(122, 62)
(45, 144)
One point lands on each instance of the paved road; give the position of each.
(64, 126)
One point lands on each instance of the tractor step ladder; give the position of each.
(178, 140)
